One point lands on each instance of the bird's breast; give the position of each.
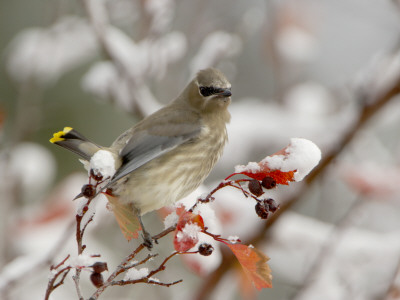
(174, 175)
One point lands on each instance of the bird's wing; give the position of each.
(153, 142)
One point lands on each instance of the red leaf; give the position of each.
(254, 264)
(186, 234)
(279, 176)
(189, 217)
(183, 242)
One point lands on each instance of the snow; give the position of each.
(235, 213)
(103, 162)
(190, 231)
(295, 244)
(215, 46)
(296, 44)
(301, 155)
(233, 239)
(171, 220)
(104, 81)
(251, 167)
(309, 99)
(47, 53)
(203, 265)
(33, 166)
(135, 274)
(82, 261)
(162, 12)
(18, 268)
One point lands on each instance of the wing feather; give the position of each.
(146, 145)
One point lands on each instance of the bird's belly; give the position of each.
(169, 178)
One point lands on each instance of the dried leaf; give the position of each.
(254, 264)
(127, 220)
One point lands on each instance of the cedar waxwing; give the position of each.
(167, 155)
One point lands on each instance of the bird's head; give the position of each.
(209, 91)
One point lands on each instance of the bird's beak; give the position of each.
(224, 92)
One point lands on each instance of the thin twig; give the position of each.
(125, 264)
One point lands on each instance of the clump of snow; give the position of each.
(233, 239)
(171, 220)
(82, 260)
(190, 231)
(252, 167)
(103, 162)
(301, 155)
(135, 274)
(154, 279)
(203, 265)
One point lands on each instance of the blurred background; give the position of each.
(326, 70)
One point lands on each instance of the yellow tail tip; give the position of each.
(59, 136)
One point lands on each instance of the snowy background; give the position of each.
(301, 68)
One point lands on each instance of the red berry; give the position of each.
(99, 267)
(268, 182)
(88, 190)
(206, 249)
(262, 209)
(97, 279)
(255, 187)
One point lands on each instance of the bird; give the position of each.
(168, 154)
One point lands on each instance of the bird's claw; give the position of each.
(147, 240)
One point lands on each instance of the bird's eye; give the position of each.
(206, 91)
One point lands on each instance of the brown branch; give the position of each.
(145, 280)
(125, 265)
(367, 111)
(51, 286)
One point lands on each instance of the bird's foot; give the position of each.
(147, 240)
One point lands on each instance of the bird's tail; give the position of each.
(72, 140)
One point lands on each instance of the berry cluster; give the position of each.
(263, 206)
(96, 277)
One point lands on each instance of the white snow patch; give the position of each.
(103, 162)
(82, 260)
(301, 155)
(251, 167)
(171, 220)
(190, 231)
(135, 274)
(233, 239)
